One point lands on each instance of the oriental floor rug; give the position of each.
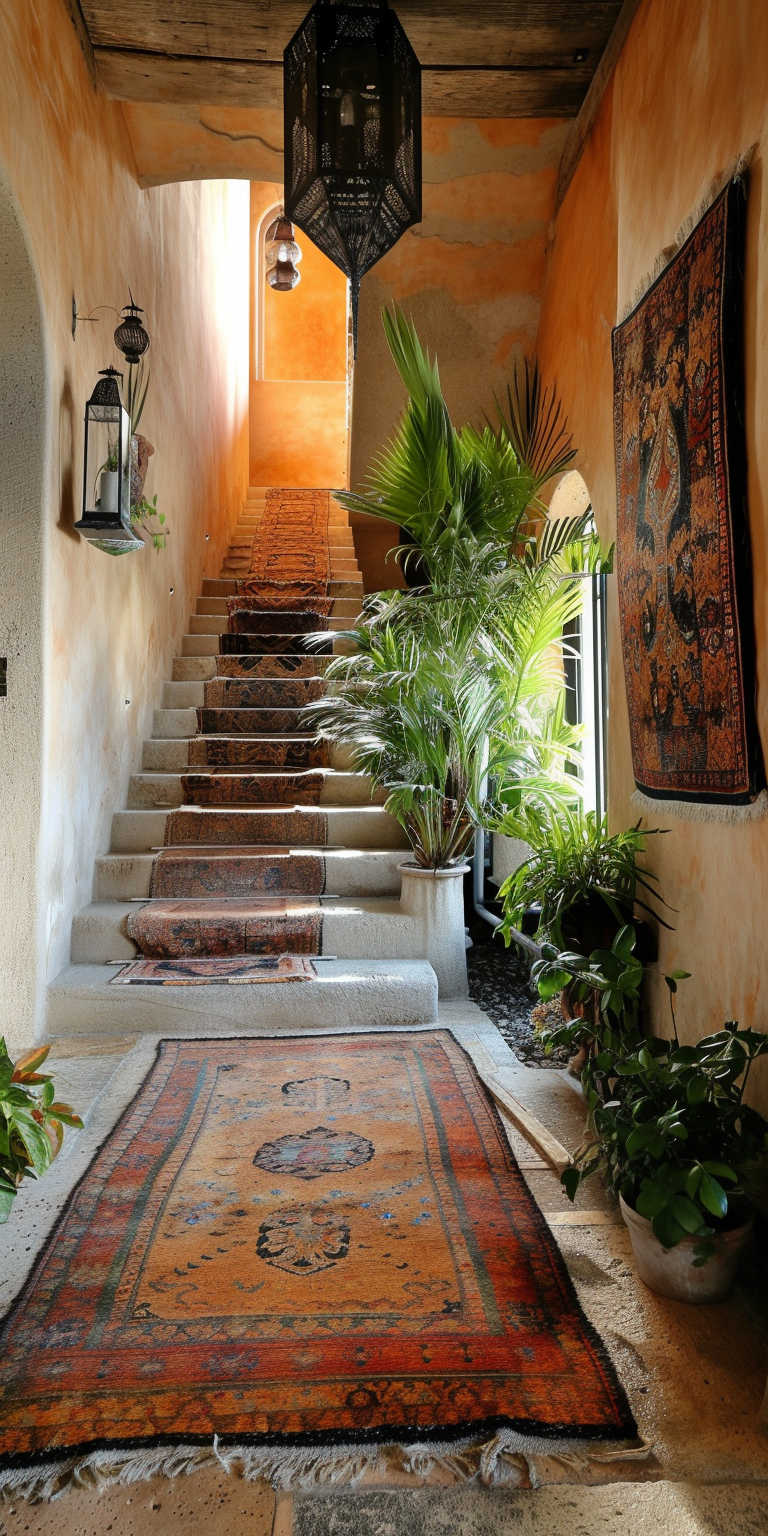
(302, 1241)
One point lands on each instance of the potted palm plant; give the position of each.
(669, 1126)
(453, 690)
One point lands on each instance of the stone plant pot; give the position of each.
(671, 1271)
(435, 897)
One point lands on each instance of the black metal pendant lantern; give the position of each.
(352, 133)
(106, 519)
(131, 335)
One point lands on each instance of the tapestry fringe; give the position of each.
(715, 187)
(690, 810)
(508, 1460)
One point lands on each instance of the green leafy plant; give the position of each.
(576, 873)
(32, 1122)
(668, 1124)
(136, 392)
(141, 512)
(464, 498)
(454, 699)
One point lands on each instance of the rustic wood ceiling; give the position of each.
(481, 58)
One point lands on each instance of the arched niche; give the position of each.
(24, 448)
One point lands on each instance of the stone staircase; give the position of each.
(273, 840)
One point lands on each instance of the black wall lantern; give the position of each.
(106, 519)
(352, 133)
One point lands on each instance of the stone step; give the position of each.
(150, 791)
(369, 826)
(261, 692)
(240, 721)
(206, 668)
(211, 624)
(343, 607)
(348, 872)
(355, 929)
(173, 754)
(383, 993)
(260, 752)
(193, 669)
(214, 586)
(208, 645)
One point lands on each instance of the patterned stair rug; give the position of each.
(233, 970)
(290, 558)
(294, 1254)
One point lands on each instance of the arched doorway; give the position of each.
(299, 364)
(24, 438)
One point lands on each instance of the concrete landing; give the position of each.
(385, 993)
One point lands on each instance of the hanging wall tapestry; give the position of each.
(682, 538)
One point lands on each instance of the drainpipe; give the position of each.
(478, 888)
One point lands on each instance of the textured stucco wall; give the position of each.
(107, 627)
(688, 97)
(470, 274)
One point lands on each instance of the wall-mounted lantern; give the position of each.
(106, 519)
(282, 255)
(352, 96)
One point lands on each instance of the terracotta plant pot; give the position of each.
(671, 1271)
(141, 453)
(435, 897)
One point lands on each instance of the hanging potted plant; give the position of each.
(668, 1126)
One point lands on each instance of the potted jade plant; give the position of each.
(668, 1125)
(32, 1122)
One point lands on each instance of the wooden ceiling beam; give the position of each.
(520, 33)
(128, 75)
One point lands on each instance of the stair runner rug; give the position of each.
(291, 559)
(225, 926)
(229, 969)
(302, 1241)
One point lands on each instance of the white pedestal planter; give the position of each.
(435, 898)
(672, 1272)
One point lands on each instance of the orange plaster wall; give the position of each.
(470, 275)
(298, 348)
(110, 627)
(688, 96)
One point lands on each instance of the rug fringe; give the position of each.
(737, 167)
(691, 810)
(509, 1459)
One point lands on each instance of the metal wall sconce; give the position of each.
(106, 519)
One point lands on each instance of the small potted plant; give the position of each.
(583, 881)
(107, 499)
(32, 1122)
(668, 1126)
